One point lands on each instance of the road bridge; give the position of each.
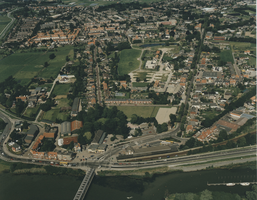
(81, 193)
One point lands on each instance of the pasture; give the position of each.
(128, 61)
(24, 66)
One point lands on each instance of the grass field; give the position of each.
(226, 56)
(4, 165)
(142, 111)
(54, 114)
(4, 20)
(61, 89)
(128, 61)
(63, 103)
(31, 112)
(24, 66)
(136, 84)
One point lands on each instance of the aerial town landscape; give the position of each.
(129, 88)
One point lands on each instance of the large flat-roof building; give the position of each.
(75, 107)
(65, 128)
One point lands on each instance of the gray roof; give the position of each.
(210, 74)
(98, 136)
(65, 128)
(247, 116)
(33, 129)
(75, 106)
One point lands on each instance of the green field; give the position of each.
(61, 89)
(142, 111)
(226, 56)
(128, 61)
(136, 84)
(4, 20)
(31, 112)
(63, 103)
(54, 114)
(24, 66)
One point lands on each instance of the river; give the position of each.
(117, 188)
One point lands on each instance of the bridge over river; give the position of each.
(81, 193)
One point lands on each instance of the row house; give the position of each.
(128, 101)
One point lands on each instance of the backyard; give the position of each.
(128, 61)
(54, 114)
(31, 112)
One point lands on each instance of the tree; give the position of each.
(52, 56)
(46, 64)
(222, 135)
(25, 125)
(241, 141)
(206, 195)
(172, 119)
(252, 195)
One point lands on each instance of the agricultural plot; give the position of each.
(128, 61)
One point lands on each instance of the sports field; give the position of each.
(142, 111)
(24, 66)
(61, 89)
(4, 20)
(226, 56)
(128, 61)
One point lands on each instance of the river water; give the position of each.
(118, 188)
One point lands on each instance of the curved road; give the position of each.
(2, 34)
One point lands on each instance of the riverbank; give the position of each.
(148, 172)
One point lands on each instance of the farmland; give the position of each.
(24, 66)
(128, 61)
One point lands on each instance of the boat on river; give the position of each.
(245, 184)
(230, 184)
(129, 197)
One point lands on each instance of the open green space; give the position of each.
(4, 20)
(141, 75)
(63, 103)
(61, 89)
(128, 61)
(139, 84)
(24, 66)
(226, 56)
(55, 65)
(54, 114)
(31, 112)
(142, 111)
